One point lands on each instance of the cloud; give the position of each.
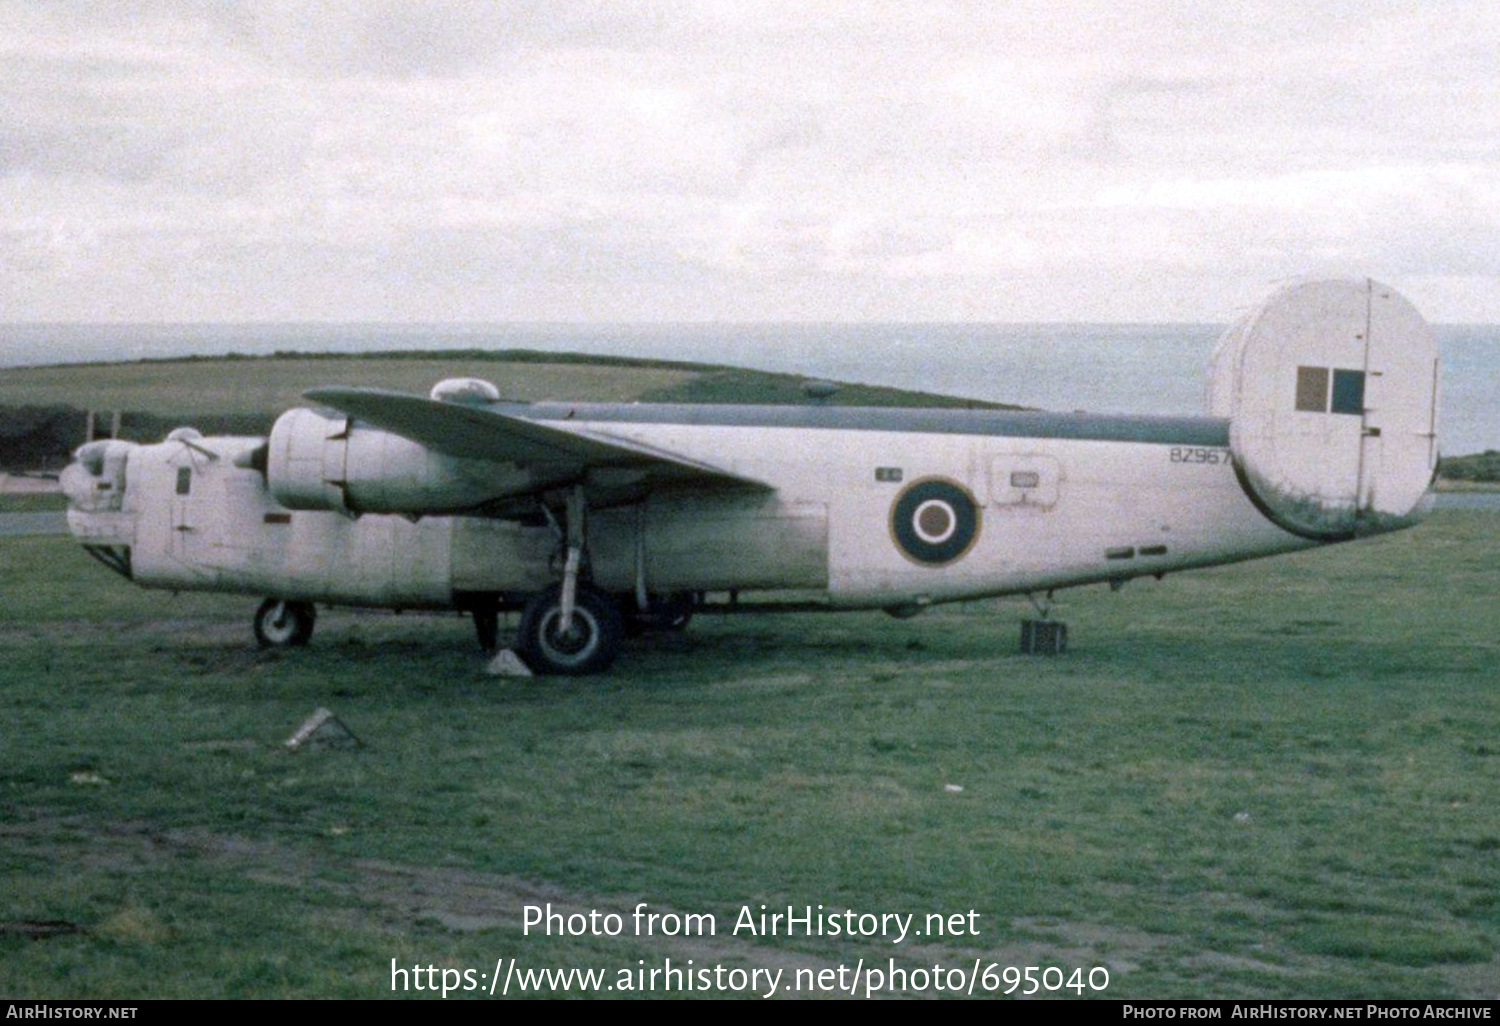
(833, 156)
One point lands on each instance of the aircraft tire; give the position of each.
(282, 624)
(590, 647)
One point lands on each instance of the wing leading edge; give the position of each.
(480, 432)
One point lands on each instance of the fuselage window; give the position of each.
(184, 480)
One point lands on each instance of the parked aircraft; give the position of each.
(590, 518)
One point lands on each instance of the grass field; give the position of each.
(1271, 780)
(32, 502)
(43, 410)
(269, 385)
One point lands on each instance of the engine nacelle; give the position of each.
(333, 464)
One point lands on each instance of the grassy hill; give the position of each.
(43, 410)
(1476, 470)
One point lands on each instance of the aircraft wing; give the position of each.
(482, 433)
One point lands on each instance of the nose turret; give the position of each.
(95, 481)
(95, 486)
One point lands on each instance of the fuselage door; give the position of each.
(192, 513)
(1398, 440)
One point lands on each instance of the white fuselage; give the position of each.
(1051, 512)
(1048, 512)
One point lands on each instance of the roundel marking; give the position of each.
(934, 521)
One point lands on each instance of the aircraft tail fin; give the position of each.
(1331, 392)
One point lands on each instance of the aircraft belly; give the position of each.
(374, 560)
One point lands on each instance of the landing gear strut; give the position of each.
(665, 613)
(487, 624)
(282, 624)
(572, 628)
(1045, 636)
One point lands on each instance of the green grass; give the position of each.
(1270, 780)
(768, 389)
(43, 410)
(1477, 468)
(268, 385)
(32, 502)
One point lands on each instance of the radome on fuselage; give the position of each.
(1321, 427)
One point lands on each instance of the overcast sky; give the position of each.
(212, 160)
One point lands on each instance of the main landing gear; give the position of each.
(572, 628)
(600, 624)
(282, 624)
(554, 642)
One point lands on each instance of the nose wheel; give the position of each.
(282, 624)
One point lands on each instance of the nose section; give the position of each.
(77, 484)
(95, 481)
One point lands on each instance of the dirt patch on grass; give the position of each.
(394, 898)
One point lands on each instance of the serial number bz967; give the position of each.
(1187, 455)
